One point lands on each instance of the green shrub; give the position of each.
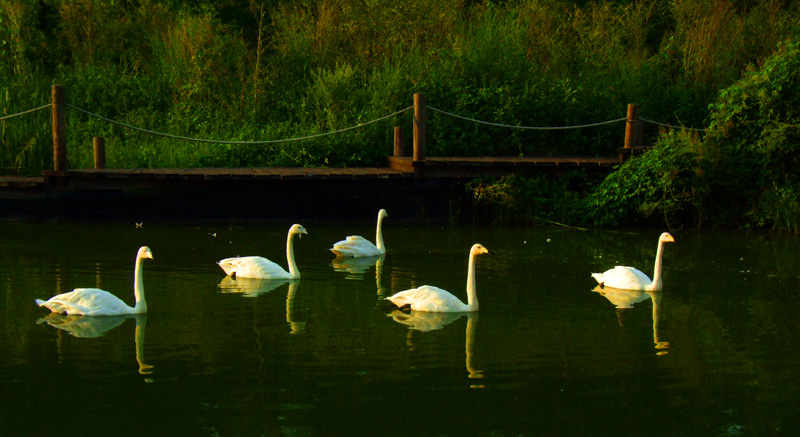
(663, 186)
(540, 199)
(753, 144)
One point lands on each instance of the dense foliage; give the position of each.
(256, 70)
(745, 171)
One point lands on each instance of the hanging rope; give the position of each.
(673, 127)
(527, 127)
(201, 140)
(6, 117)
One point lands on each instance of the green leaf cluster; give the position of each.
(744, 171)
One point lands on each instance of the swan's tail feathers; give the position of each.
(55, 307)
(341, 253)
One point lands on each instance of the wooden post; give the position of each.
(419, 128)
(633, 128)
(398, 142)
(99, 152)
(633, 132)
(59, 129)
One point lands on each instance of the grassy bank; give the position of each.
(248, 70)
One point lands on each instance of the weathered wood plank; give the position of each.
(399, 167)
(21, 182)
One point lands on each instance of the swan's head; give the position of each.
(144, 252)
(666, 237)
(382, 214)
(478, 249)
(298, 230)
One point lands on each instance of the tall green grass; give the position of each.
(257, 70)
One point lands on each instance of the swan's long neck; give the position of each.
(656, 285)
(472, 297)
(138, 288)
(290, 257)
(379, 236)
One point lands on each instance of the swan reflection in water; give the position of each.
(97, 326)
(626, 299)
(250, 287)
(424, 321)
(355, 268)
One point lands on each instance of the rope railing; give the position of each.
(488, 123)
(632, 144)
(672, 126)
(602, 123)
(6, 117)
(203, 140)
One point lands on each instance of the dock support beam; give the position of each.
(99, 145)
(418, 159)
(399, 145)
(59, 129)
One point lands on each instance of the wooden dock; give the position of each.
(470, 167)
(415, 187)
(399, 167)
(415, 191)
(52, 177)
(224, 195)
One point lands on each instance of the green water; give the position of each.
(326, 355)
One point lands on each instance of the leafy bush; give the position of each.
(541, 199)
(753, 144)
(745, 172)
(664, 185)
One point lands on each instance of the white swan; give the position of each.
(261, 268)
(629, 278)
(434, 299)
(356, 246)
(97, 302)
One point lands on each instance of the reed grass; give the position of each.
(255, 70)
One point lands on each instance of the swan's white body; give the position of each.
(97, 302)
(629, 278)
(358, 246)
(434, 299)
(261, 268)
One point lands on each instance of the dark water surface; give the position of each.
(326, 355)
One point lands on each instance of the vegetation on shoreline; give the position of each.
(744, 172)
(250, 70)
